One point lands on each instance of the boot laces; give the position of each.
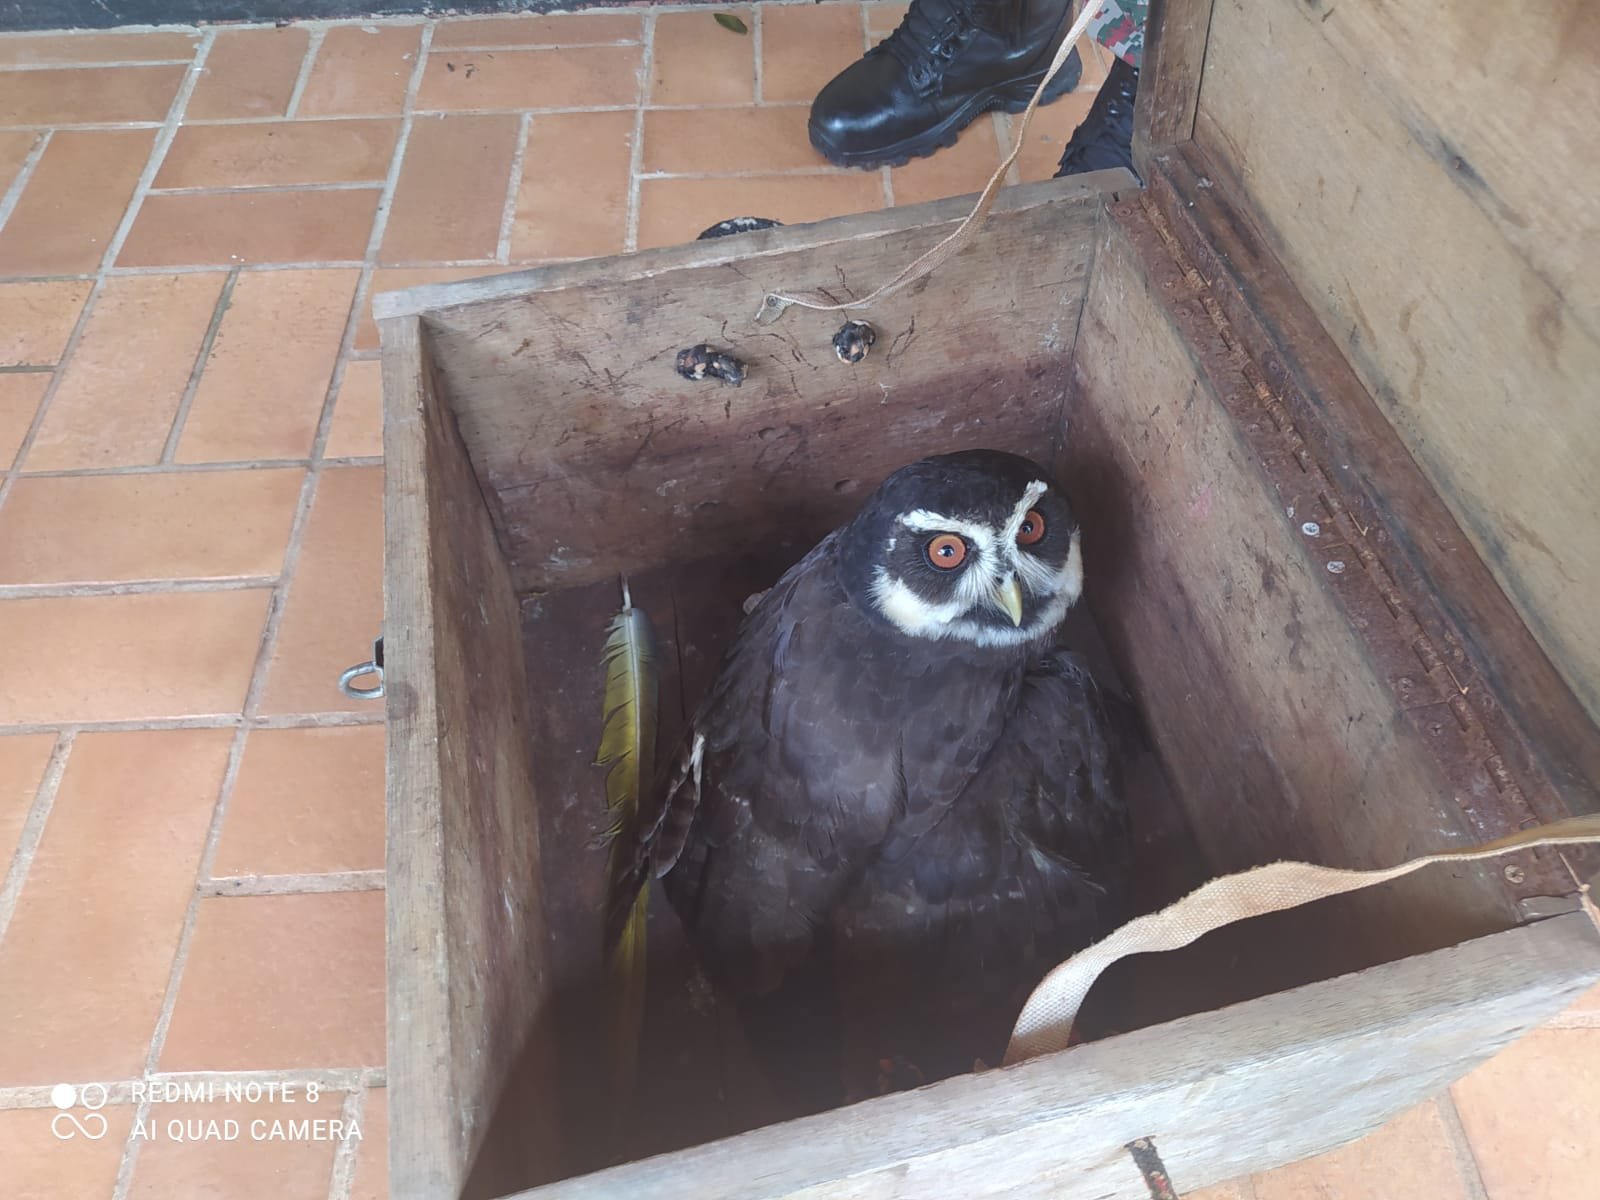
(929, 37)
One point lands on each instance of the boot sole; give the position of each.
(1009, 97)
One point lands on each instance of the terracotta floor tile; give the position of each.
(281, 982)
(1529, 1114)
(36, 319)
(494, 80)
(567, 29)
(1410, 1156)
(805, 45)
(371, 1181)
(953, 171)
(1239, 1189)
(115, 409)
(573, 199)
(1094, 58)
(88, 95)
(67, 49)
(19, 401)
(282, 154)
(357, 73)
(881, 20)
(15, 146)
(394, 279)
(122, 658)
(41, 1166)
(249, 73)
(723, 141)
(1587, 1008)
(357, 428)
(254, 401)
(251, 1165)
(74, 201)
(251, 227)
(335, 603)
(676, 210)
(696, 61)
(306, 801)
(86, 959)
(114, 528)
(451, 197)
(23, 759)
(1048, 134)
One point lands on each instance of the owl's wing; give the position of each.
(955, 921)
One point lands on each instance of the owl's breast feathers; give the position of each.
(833, 754)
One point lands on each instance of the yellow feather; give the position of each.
(627, 747)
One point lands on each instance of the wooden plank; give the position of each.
(1506, 107)
(1472, 345)
(585, 437)
(1223, 1093)
(1543, 748)
(467, 1002)
(1169, 78)
(1217, 600)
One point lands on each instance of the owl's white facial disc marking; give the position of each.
(995, 556)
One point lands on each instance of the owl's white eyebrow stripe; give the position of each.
(1030, 495)
(926, 521)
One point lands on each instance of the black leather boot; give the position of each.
(1104, 138)
(948, 63)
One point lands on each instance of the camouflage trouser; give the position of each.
(1120, 28)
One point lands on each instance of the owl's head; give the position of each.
(979, 547)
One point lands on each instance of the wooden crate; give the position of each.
(1323, 390)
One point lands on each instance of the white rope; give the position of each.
(1045, 1025)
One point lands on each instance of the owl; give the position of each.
(897, 806)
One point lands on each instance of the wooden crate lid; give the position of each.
(1426, 174)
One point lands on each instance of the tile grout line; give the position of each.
(158, 152)
(758, 44)
(303, 76)
(241, 464)
(380, 224)
(44, 799)
(169, 448)
(26, 68)
(13, 194)
(295, 884)
(1455, 1135)
(257, 189)
(328, 719)
(644, 86)
(341, 1179)
(133, 587)
(508, 215)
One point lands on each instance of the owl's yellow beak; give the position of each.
(1008, 599)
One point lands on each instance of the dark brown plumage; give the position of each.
(897, 807)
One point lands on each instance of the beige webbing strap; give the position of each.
(1045, 1025)
(775, 304)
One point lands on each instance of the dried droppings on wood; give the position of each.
(703, 362)
(853, 341)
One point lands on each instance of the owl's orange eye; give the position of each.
(1032, 528)
(947, 551)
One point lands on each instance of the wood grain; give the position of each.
(1223, 1094)
(1543, 748)
(598, 458)
(467, 998)
(1169, 76)
(1281, 738)
(1434, 273)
